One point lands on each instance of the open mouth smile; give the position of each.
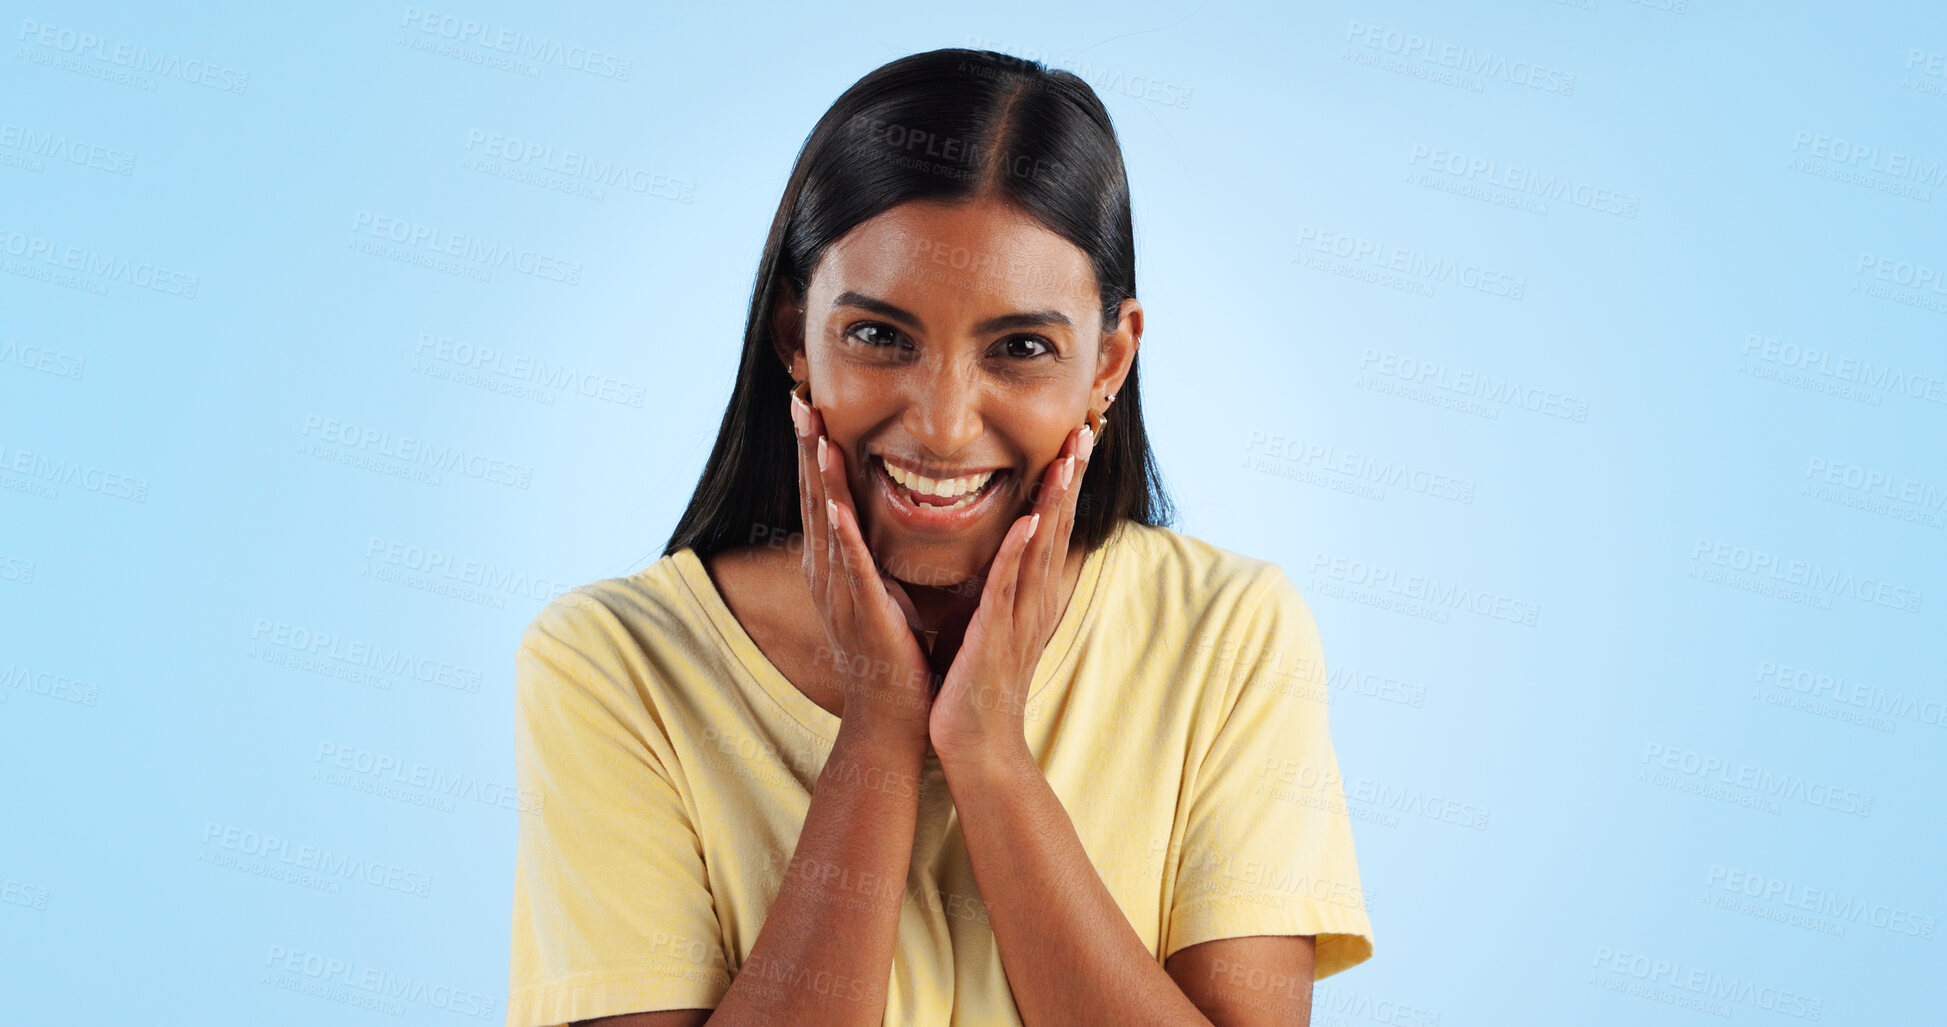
(929, 504)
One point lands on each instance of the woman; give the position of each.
(924, 717)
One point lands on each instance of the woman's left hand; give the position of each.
(981, 707)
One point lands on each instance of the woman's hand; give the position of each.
(868, 617)
(982, 705)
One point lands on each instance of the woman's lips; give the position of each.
(934, 516)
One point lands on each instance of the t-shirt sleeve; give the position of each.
(1267, 840)
(612, 909)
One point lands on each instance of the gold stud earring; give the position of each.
(1097, 422)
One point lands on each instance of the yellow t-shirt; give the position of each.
(1179, 713)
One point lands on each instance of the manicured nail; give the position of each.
(1086, 444)
(831, 508)
(800, 415)
(1068, 470)
(821, 452)
(1032, 523)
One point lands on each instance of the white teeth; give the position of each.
(934, 487)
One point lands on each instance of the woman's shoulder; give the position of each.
(656, 600)
(1213, 616)
(1195, 573)
(607, 663)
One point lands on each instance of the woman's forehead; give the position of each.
(957, 260)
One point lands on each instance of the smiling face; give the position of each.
(950, 341)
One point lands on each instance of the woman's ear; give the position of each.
(1118, 352)
(787, 328)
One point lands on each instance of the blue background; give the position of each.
(1583, 365)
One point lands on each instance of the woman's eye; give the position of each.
(876, 336)
(1027, 341)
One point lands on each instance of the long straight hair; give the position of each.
(945, 126)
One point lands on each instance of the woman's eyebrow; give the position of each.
(1028, 319)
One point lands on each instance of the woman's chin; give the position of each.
(934, 566)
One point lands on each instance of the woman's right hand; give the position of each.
(868, 618)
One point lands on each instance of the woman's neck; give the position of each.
(944, 613)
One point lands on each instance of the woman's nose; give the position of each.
(944, 413)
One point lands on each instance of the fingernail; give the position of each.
(1032, 523)
(1087, 444)
(831, 507)
(1067, 470)
(821, 454)
(800, 415)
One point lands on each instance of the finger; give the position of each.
(822, 545)
(842, 585)
(1003, 582)
(1039, 551)
(843, 560)
(904, 602)
(812, 504)
(847, 594)
(870, 600)
(871, 589)
(875, 607)
(841, 595)
(804, 485)
(1070, 504)
(833, 593)
(812, 518)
